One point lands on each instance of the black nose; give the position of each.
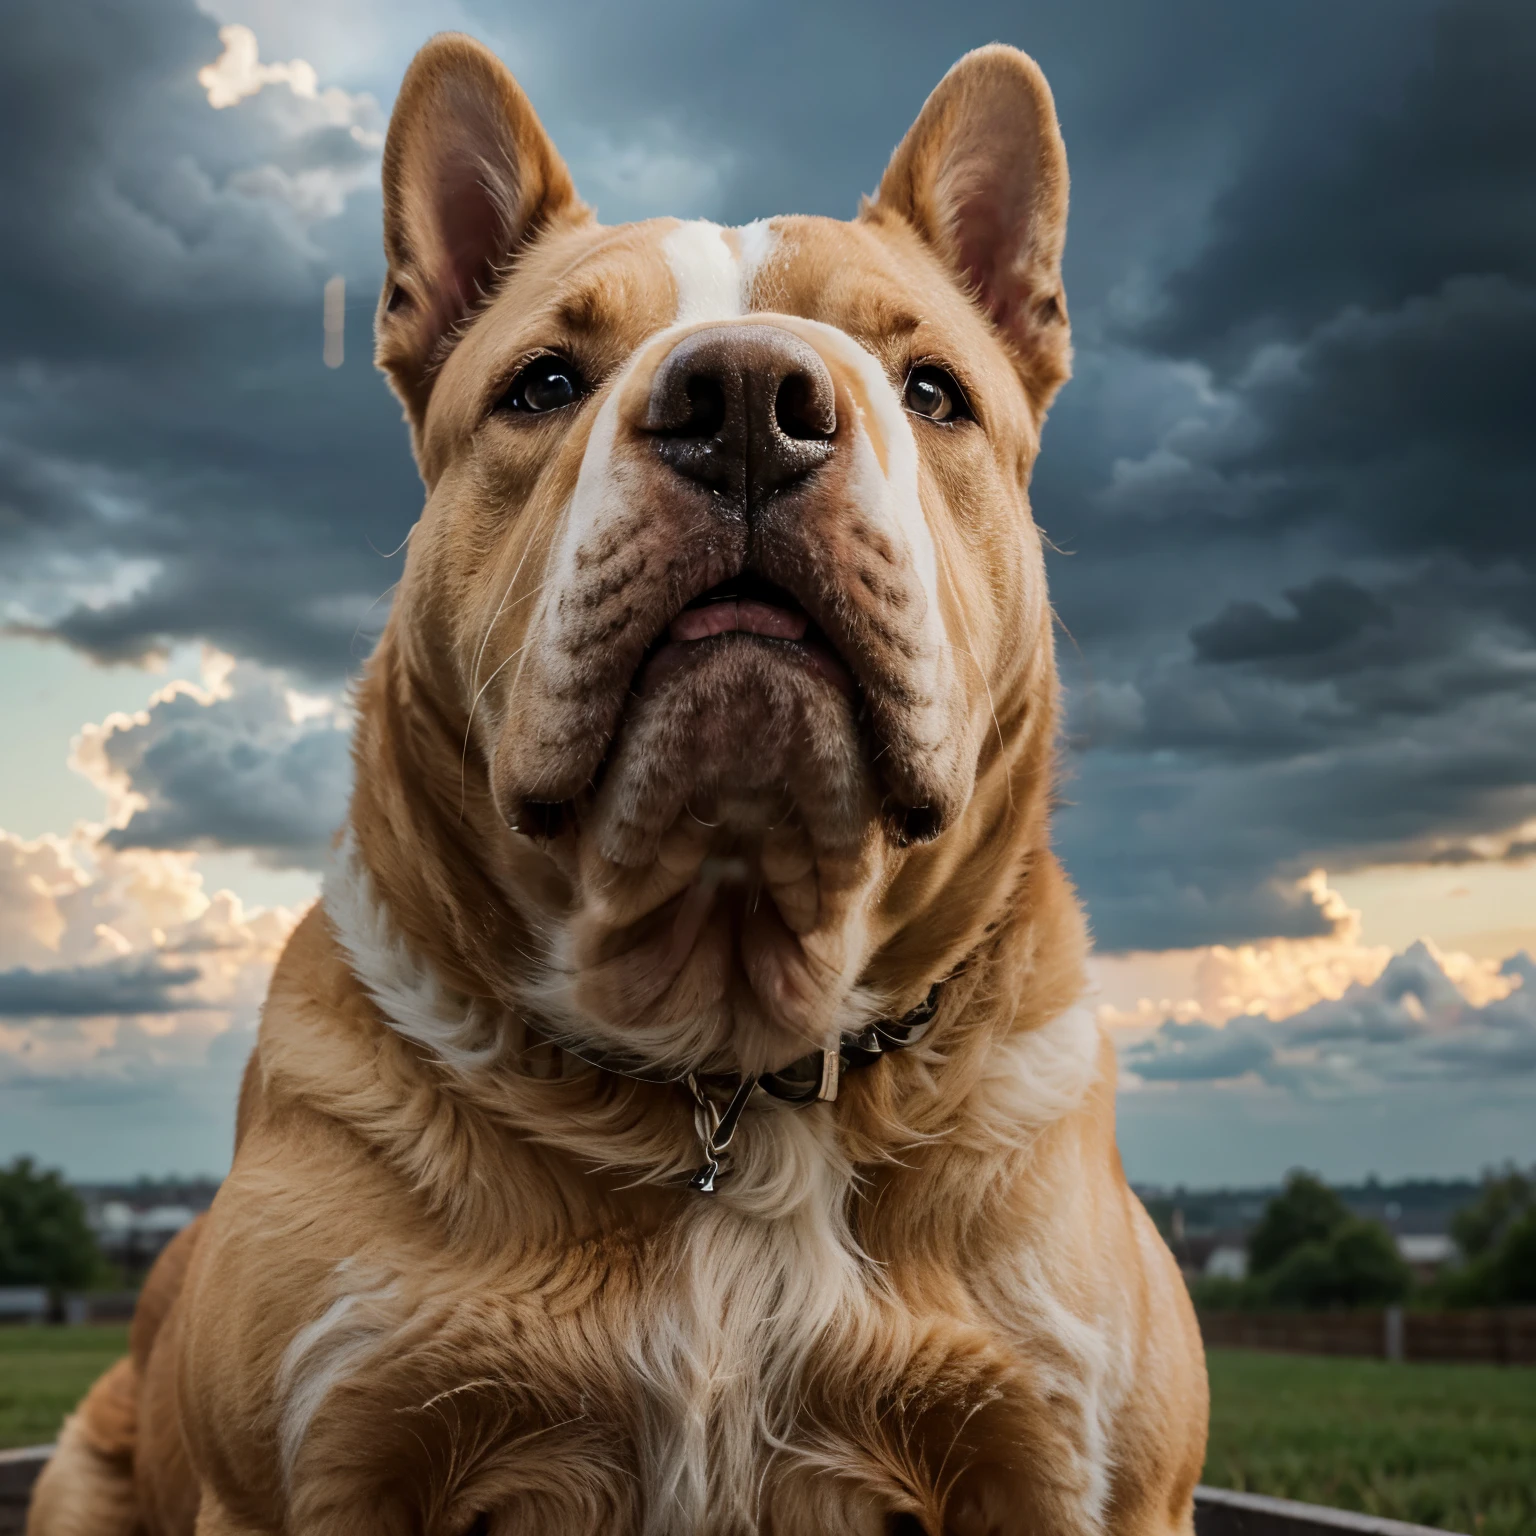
(746, 410)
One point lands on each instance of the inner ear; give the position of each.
(476, 222)
(982, 177)
(470, 178)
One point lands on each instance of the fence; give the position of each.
(100, 1306)
(1503, 1336)
(1218, 1512)
(18, 1471)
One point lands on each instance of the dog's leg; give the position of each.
(974, 1441)
(87, 1487)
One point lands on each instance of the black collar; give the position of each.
(720, 1097)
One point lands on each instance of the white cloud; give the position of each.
(130, 991)
(1416, 1022)
(334, 136)
(238, 761)
(238, 72)
(80, 919)
(1272, 979)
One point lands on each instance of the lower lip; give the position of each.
(674, 656)
(752, 618)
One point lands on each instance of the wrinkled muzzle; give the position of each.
(737, 687)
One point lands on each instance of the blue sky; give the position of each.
(1290, 491)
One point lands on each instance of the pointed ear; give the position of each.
(982, 177)
(470, 177)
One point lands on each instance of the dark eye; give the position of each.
(546, 384)
(933, 394)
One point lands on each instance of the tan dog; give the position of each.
(712, 736)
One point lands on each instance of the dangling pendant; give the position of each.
(715, 1128)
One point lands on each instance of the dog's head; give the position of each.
(727, 576)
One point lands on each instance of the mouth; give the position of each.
(744, 610)
(726, 835)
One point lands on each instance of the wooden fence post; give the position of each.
(1393, 1334)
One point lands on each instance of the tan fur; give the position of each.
(453, 1282)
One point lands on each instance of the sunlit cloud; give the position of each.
(239, 760)
(1270, 979)
(334, 135)
(120, 961)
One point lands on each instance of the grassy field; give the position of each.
(44, 1372)
(1446, 1445)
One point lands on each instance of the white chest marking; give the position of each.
(322, 1354)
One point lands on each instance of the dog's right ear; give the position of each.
(470, 177)
(982, 177)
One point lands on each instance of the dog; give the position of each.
(680, 1113)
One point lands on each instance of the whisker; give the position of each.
(463, 756)
(396, 550)
(1002, 746)
(366, 611)
(474, 674)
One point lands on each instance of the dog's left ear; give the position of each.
(982, 177)
(470, 177)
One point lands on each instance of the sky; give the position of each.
(1289, 495)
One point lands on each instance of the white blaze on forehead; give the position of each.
(713, 273)
(714, 270)
(758, 241)
(706, 272)
(714, 282)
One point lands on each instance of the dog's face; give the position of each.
(727, 567)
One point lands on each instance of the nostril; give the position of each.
(804, 409)
(706, 407)
(912, 824)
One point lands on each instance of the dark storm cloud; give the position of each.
(1200, 1053)
(1326, 613)
(1306, 607)
(1294, 472)
(1393, 196)
(89, 991)
(163, 403)
(233, 771)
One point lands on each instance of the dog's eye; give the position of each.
(932, 394)
(546, 384)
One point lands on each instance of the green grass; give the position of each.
(44, 1372)
(1445, 1445)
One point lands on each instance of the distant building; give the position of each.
(134, 1222)
(23, 1304)
(1427, 1253)
(1227, 1261)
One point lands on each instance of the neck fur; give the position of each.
(447, 919)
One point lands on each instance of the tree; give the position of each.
(1356, 1265)
(1505, 1198)
(1305, 1211)
(1514, 1263)
(44, 1239)
(1497, 1233)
